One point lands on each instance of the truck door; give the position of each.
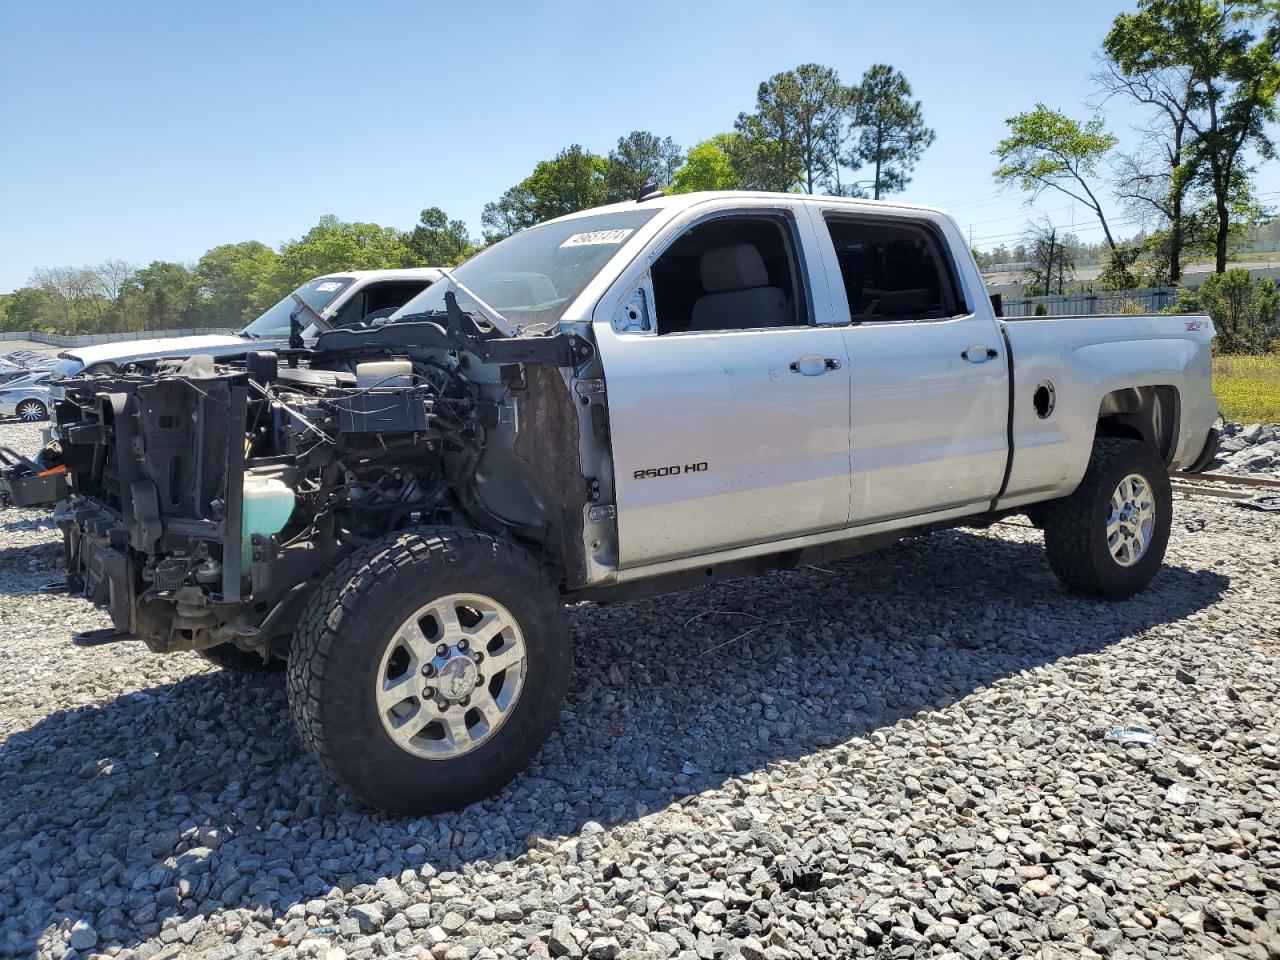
(928, 374)
(729, 404)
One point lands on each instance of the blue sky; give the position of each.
(148, 130)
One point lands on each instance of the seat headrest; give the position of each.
(738, 266)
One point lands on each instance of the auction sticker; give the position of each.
(596, 237)
(329, 285)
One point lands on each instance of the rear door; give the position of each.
(929, 381)
(728, 390)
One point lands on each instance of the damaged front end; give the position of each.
(204, 501)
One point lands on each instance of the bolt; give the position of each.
(428, 692)
(478, 657)
(462, 645)
(429, 670)
(479, 680)
(442, 704)
(442, 650)
(466, 701)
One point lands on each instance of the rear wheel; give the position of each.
(32, 411)
(429, 669)
(1109, 537)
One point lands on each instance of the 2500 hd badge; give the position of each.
(652, 472)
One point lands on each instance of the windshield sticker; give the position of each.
(596, 237)
(329, 286)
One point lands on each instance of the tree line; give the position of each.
(1206, 75)
(808, 131)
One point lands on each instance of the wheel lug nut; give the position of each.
(442, 705)
(429, 670)
(428, 692)
(466, 701)
(463, 645)
(478, 657)
(442, 650)
(479, 681)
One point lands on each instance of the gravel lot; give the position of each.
(913, 766)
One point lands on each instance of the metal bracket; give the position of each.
(603, 511)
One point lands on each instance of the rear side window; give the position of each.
(893, 270)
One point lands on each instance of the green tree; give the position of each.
(639, 159)
(890, 129)
(793, 137)
(1228, 55)
(572, 180)
(511, 212)
(233, 283)
(160, 296)
(708, 166)
(438, 241)
(1046, 149)
(1245, 311)
(334, 245)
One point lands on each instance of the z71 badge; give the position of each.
(671, 471)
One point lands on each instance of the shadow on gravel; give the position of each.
(669, 699)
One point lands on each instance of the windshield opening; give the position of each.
(532, 276)
(318, 294)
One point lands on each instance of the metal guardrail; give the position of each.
(89, 340)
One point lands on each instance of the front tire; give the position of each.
(32, 411)
(429, 668)
(1108, 538)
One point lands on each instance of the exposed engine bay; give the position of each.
(206, 498)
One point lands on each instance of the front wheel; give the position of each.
(429, 669)
(1109, 537)
(32, 411)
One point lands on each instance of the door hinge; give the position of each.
(603, 511)
(589, 388)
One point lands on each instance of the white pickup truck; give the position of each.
(638, 398)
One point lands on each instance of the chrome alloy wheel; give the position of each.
(450, 676)
(1132, 520)
(30, 411)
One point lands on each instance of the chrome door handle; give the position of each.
(978, 353)
(812, 365)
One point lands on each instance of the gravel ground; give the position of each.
(914, 765)
(1252, 448)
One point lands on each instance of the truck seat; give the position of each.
(737, 296)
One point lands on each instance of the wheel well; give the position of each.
(1149, 414)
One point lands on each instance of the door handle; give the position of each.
(812, 365)
(978, 353)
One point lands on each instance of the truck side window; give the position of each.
(892, 271)
(730, 273)
(378, 301)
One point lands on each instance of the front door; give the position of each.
(729, 416)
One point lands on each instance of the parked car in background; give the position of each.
(26, 398)
(325, 303)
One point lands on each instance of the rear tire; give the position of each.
(230, 657)
(429, 668)
(1108, 538)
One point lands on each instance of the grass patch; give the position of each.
(1248, 387)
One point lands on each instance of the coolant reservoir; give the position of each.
(267, 506)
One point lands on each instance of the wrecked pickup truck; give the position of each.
(634, 399)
